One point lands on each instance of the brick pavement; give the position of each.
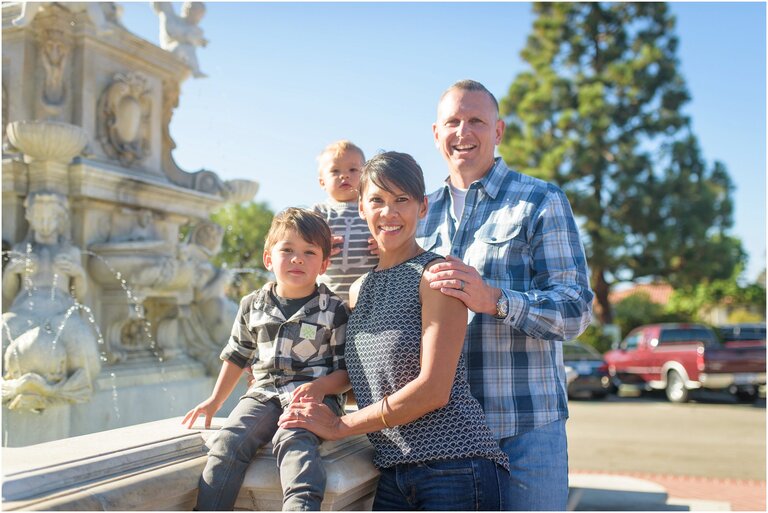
(742, 494)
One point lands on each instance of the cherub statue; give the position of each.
(180, 34)
(50, 352)
(100, 13)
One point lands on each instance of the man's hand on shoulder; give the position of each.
(456, 279)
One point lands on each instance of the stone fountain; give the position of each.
(108, 288)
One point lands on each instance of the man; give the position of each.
(514, 257)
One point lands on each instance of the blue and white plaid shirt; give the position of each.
(520, 234)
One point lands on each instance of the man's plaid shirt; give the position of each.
(520, 234)
(285, 353)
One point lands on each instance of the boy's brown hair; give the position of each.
(308, 224)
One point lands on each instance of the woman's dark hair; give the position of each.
(393, 169)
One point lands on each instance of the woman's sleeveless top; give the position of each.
(382, 354)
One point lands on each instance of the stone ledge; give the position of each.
(74, 463)
(156, 466)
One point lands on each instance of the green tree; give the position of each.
(638, 309)
(600, 114)
(692, 301)
(245, 229)
(595, 337)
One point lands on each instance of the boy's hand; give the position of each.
(308, 392)
(207, 408)
(337, 241)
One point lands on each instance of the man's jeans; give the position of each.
(250, 426)
(538, 462)
(469, 484)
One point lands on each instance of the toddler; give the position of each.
(339, 168)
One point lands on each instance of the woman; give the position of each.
(403, 355)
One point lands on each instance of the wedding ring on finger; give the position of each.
(461, 285)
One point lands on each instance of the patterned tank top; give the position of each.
(382, 354)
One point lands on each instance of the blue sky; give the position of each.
(285, 79)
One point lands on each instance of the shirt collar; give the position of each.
(491, 182)
(322, 299)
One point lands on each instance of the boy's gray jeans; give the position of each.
(250, 426)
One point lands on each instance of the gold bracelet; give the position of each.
(381, 413)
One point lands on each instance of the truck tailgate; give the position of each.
(734, 359)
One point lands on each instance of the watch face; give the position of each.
(502, 307)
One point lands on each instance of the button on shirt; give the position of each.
(285, 353)
(520, 234)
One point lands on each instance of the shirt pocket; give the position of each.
(500, 252)
(311, 345)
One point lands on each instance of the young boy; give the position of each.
(291, 333)
(339, 168)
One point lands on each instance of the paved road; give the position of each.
(711, 437)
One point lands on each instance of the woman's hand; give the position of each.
(373, 246)
(337, 241)
(312, 416)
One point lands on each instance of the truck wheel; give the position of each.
(676, 391)
(746, 396)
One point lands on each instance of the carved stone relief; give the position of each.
(123, 124)
(133, 225)
(55, 54)
(102, 14)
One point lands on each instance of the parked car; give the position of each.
(678, 358)
(591, 380)
(744, 338)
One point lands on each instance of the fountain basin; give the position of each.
(47, 140)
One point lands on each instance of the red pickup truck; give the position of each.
(679, 358)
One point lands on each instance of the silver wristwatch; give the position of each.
(502, 306)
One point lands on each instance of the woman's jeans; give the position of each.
(467, 484)
(250, 426)
(538, 461)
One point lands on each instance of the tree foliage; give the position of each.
(245, 229)
(693, 300)
(594, 336)
(638, 309)
(600, 114)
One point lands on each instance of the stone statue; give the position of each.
(100, 13)
(212, 313)
(50, 352)
(180, 34)
(55, 53)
